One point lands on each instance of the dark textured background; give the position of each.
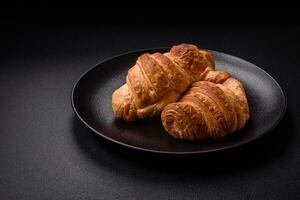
(46, 153)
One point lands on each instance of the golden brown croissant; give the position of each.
(208, 109)
(159, 79)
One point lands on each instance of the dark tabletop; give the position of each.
(47, 153)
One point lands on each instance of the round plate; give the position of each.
(91, 101)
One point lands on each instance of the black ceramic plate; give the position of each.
(91, 100)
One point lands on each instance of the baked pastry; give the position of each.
(159, 79)
(212, 108)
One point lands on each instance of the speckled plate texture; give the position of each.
(91, 101)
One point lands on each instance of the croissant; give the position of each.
(212, 108)
(159, 79)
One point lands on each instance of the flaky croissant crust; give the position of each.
(208, 109)
(159, 79)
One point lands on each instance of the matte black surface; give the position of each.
(91, 100)
(47, 153)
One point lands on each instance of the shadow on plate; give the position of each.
(222, 163)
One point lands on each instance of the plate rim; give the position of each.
(173, 152)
